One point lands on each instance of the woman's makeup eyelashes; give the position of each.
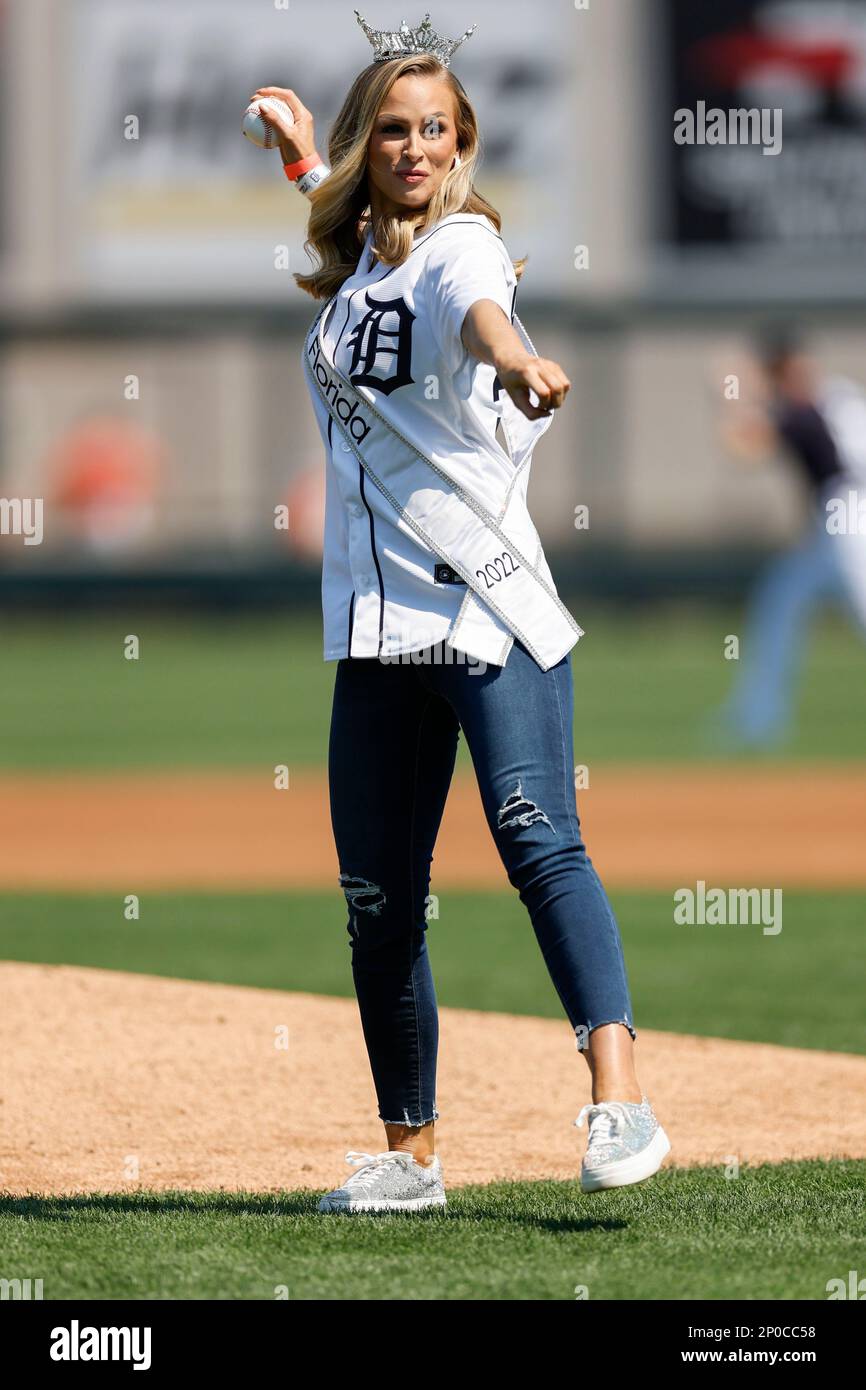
(430, 131)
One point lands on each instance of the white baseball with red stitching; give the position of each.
(258, 129)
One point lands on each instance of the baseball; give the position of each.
(257, 127)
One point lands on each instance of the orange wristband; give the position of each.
(301, 166)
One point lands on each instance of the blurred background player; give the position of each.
(819, 423)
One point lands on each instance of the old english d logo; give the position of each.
(385, 332)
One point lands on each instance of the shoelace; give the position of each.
(606, 1119)
(368, 1165)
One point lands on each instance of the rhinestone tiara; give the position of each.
(399, 43)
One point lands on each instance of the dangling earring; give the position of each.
(457, 161)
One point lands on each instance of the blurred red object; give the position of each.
(106, 475)
(305, 500)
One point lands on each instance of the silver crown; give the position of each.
(399, 43)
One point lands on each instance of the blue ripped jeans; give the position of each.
(393, 744)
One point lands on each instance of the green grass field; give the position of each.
(774, 1232)
(220, 694)
(720, 982)
(228, 693)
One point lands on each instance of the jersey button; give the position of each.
(347, 449)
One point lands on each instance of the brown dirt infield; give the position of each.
(646, 827)
(103, 1069)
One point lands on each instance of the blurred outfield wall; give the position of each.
(154, 258)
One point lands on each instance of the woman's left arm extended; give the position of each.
(489, 336)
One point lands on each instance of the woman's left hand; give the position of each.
(538, 374)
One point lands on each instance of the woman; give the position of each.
(439, 608)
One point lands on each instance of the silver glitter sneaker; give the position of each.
(390, 1181)
(626, 1144)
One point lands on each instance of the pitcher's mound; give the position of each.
(111, 1082)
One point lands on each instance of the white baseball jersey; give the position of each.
(395, 334)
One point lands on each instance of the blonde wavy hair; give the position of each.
(340, 209)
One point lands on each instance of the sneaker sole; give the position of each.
(625, 1171)
(408, 1204)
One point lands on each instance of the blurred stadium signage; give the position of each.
(176, 204)
(806, 60)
